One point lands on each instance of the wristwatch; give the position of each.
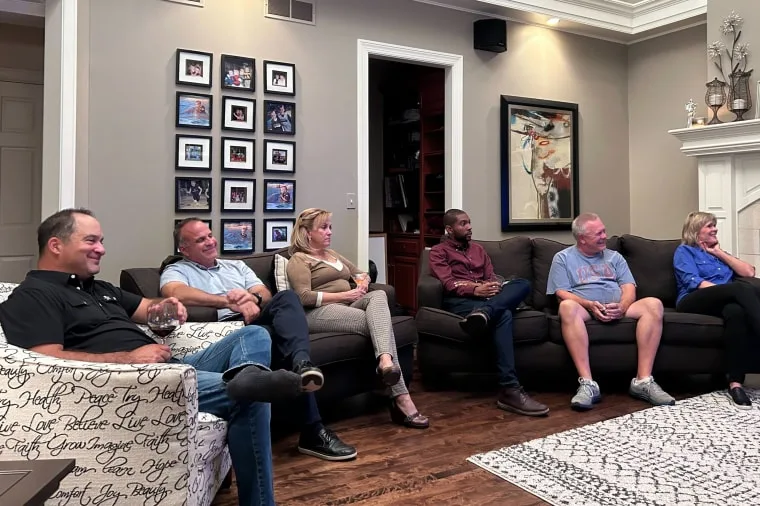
(258, 298)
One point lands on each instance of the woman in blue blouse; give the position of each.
(706, 277)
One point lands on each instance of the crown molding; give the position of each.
(613, 15)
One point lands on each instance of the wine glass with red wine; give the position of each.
(163, 319)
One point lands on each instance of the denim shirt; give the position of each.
(694, 265)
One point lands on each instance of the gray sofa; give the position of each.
(691, 344)
(346, 359)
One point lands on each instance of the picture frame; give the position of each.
(238, 236)
(279, 117)
(238, 73)
(196, 3)
(279, 78)
(538, 133)
(194, 110)
(239, 114)
(194, 68)
(277, 233)
(176, 244)
(279, 156)
(238, 154)
(238, 195)
(192, 194)
(279, 195)
(193, 152)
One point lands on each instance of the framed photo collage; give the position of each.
(234, 151)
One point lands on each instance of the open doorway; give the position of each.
(450, 155)
(406, 167)
(21, 111)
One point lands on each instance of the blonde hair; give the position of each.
(309, 219)
(693, 224)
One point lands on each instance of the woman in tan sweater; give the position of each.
(320, 277)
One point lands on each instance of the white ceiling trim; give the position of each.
(614, 15)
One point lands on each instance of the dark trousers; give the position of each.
(499, 309)
(286, 320)
(738, 303)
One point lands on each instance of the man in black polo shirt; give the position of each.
(62, 311)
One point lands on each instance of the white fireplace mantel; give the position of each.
(728, 160)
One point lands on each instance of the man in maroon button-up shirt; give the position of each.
(473, 291)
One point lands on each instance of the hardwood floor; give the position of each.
(398, 466)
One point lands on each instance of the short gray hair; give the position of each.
(579, 223)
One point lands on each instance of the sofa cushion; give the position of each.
(651, 263)
(694, 330)
(618, 332)
(529, 326)
(511, 257)
(332, 347)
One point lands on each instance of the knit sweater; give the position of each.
(309, 277)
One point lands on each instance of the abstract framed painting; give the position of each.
(539, 164)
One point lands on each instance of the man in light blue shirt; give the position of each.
(591, 281)
(203, 279)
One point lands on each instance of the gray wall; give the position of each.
(22, 47)
(132, 95)
(663, 73)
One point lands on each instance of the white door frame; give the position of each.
(454, 67)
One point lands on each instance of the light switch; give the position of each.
(350, 201)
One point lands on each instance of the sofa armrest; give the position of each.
(131, 428)
(390, 293)
(195, 336)
(429, 291)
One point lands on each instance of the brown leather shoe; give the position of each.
(516, 400)
(413, 421)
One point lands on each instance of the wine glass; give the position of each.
(361, 279)
(163, 319)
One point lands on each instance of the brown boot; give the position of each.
(516, 400)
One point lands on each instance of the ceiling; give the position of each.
(622, 21)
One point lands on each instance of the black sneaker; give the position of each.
(739, 396)
(475, 324)
(311, 377)
(325, 444)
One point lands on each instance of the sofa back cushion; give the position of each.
(511, 257)
(263, 265)
(543, 254)
(651, 263)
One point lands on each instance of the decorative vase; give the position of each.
(739, 96)
(715, 98)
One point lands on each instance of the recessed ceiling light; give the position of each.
(553, 21)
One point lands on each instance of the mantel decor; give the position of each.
(736, 75)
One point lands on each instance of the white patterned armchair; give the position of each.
(134, 430)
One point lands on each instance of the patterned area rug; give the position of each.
(702, 451)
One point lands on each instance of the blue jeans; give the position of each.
(499, 309)
(248, 436)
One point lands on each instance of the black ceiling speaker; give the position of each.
(491, 35)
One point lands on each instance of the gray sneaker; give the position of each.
(587, 395)
(650, 391)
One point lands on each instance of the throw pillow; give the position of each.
(280, 273)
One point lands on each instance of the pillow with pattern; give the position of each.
(280, 273)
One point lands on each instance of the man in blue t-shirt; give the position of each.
(591, 281)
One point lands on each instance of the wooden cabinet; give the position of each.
(413, 171)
